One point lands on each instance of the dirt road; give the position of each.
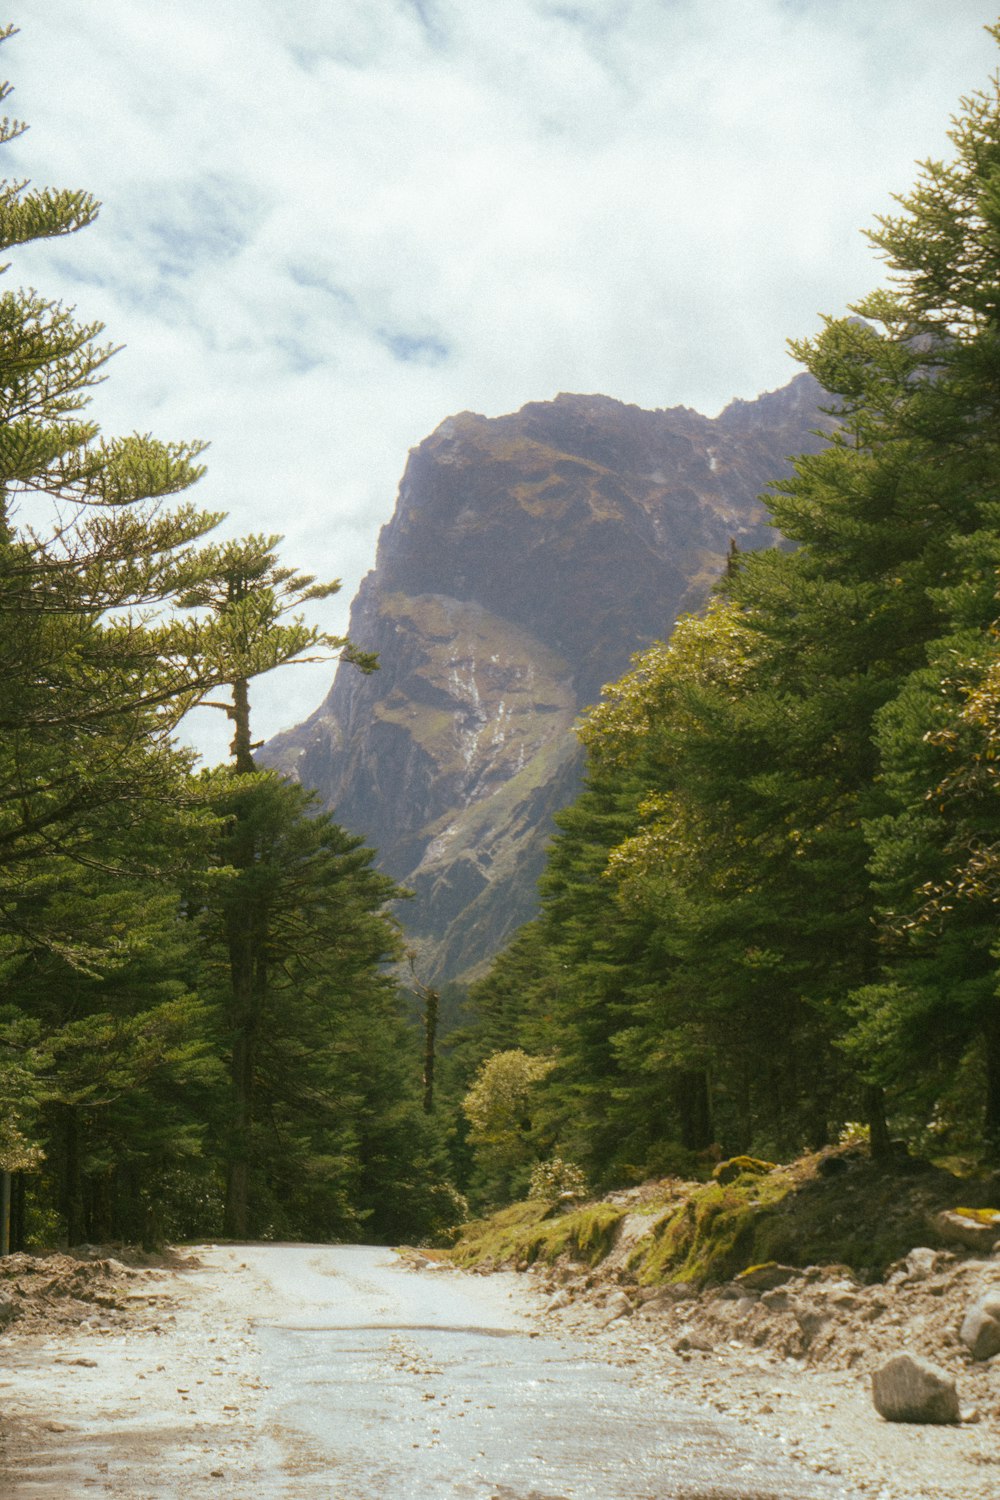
(303, 1372)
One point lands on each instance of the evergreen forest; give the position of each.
(199, 1032)
(769, 921)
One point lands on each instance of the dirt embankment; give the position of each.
(80, 1291)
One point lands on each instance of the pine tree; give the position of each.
(118, 618)
(98, 659)
(730, 1012)
(926, 514)
(323, 1132)
(248, 595)
(858, 804)
(114, 1039)
(810, 770)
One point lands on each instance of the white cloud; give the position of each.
(328, 227)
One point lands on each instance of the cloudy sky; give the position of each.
(328, 224)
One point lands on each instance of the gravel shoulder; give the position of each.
(804, 1382)
(820, 1416)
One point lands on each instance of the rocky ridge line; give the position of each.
(528, 558)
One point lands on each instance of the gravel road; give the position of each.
(313, 1371)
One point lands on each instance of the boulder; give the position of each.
(975, 1228)
(908, 1389)
(671, 1293)
(811, 1320)
(740, 1166)
(921, 1263)
(764, 1278)
(617, 1306)
(980, 1330)
(689, 1340)
(740, 1307)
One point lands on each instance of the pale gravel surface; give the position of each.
(174, 1405)
(820, 1416)
(166, 1406)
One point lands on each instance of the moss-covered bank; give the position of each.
(830, 1207)
(532, 1231)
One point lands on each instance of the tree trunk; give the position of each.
(17, 1211)
(431, 1002)
(744, 1112)
(72, 1183)
(5, 1181)
(101, 1225)
(239, 712)
(878, 1127)
(991, 1103)
(236, 1216)
(694, 1109)
(247, 976)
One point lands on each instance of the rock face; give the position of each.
(528, 558)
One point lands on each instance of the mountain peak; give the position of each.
(528, 558)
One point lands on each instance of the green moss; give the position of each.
(865, 1218)
(739, 1166)
(764, 1265)
(587, 1233)
(525, 1231)
(712, 1235)
(501, 1237)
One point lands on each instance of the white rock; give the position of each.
(617, 1306)
(962, 1229)
(980, 1330)
(921, 1263)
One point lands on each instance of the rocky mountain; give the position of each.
(528, 558)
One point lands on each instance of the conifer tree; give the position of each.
(98, 660)
(903, 515)
(712, 866)
(294, 936)
(817, 835)
(116, 619)
(249, 596)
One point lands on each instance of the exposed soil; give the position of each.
(45, 1293)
